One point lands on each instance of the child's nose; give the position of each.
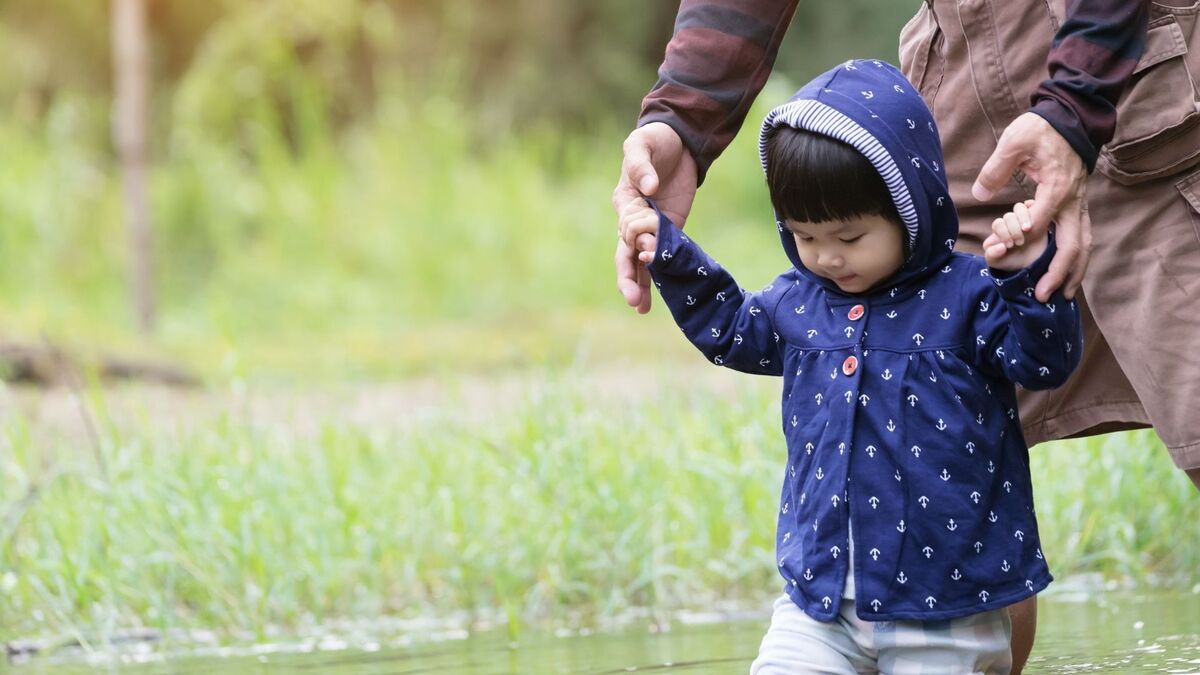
(829, 259)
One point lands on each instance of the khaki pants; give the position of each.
(976, 62)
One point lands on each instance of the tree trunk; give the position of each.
(129, 134)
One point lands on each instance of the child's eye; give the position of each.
(803, 238)
(852, 239)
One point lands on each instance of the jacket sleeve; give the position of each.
(1091, 60)
(716, 63)
(1016, 337)
(731, 327)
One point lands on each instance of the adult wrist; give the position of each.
(1068, 125)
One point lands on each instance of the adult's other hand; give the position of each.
(656, 165)
(1032, 146)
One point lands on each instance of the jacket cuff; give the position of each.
(1069, 126)
(672, 248)
(1017, 281)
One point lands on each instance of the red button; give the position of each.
(850, 365)
(856, 312)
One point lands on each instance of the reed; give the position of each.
(567, 496)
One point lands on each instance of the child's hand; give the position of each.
(1011, 246)
(639, 229)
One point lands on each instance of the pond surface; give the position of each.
(1079, 632)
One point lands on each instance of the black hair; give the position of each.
(814, 178)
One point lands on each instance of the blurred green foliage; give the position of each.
(361, 186)
(527, 59)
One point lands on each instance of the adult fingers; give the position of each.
(1067, 237)
(643, 280)
(1050, 202)
(628, 282)
(1079, 269)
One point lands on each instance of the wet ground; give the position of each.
(1081, 630)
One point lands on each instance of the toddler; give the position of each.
(906, 521)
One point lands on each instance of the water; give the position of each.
(1078, 632)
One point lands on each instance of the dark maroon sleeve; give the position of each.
(1091, 59)
(716, 63)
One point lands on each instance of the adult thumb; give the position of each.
(996, 172)
(638, 166)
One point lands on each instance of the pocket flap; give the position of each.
(1190, 189)
(1163, 41)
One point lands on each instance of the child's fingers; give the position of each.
(993, 240)
(1000, 231)
(637, 225)
(993, 253)
(648, 255)
(1013, 222)
(635, 206)
(646, 241)
(632, 211)
(1021, 210)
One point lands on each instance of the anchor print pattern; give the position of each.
(918, 443)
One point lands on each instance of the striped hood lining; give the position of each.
(869, 105)
(817, 117)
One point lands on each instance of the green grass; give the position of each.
(564, 499)
(416, 245)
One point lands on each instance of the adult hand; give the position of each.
(656, 165)
(1032, 146)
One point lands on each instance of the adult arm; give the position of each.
(1090, 62)
(722, 52)
(717, 62)
(1073, 114)
(655, 165)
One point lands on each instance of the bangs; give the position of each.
(815, 179)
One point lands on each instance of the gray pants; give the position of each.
(797, 644)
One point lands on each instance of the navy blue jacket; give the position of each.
(899, 408)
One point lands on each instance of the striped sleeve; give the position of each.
(717, 61)
(722, 52)
(1091, 60)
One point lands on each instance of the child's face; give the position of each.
(855, 254)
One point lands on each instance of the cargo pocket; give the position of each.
(1158, 117)
(1189, 187)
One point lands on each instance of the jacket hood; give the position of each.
(871, 106)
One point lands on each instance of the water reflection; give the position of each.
(1079, 632)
